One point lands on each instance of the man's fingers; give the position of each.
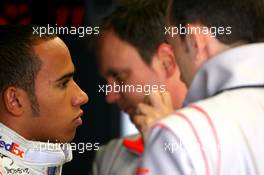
(140, 123)
(159, 99)
(166, 98)
(161, 102)
(155, 100)
(158, 107)
(146, 110)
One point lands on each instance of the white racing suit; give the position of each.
(221, 131)
(19, 156)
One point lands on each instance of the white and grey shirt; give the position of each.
(220, 131)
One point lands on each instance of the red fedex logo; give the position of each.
(12, 147)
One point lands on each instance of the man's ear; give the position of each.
(196, 41)
(166, 59)
(13, 99)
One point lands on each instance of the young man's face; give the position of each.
(120, 63)
(58, 96)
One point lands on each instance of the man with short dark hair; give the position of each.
(220, 131)
(132, 52)
(40, 102)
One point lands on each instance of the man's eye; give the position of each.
(64, 84)
(119, 76)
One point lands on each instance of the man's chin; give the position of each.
(68, 138)
(135, 122)
(130, 114)
(132, 118)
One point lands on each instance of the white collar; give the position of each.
(32, 151)
(237, 67)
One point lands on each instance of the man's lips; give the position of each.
(78, 119)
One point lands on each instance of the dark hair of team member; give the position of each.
(19, 64)
(139, 23)
(260, 29)
(259, 5)
(216, 13)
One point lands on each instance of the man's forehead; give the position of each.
(55, 57)
(53, 49)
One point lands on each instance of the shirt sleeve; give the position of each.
(96, 163)
(164, 154)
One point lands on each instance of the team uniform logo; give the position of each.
(11, 147)
(9, 167)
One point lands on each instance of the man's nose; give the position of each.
(81, 98)
(112, 97)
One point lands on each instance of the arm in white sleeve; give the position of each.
(164, 154)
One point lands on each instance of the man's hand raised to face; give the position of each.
(156, 106)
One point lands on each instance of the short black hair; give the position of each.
(259, 32)
(19, 64)
(139, 23)
(217, 13)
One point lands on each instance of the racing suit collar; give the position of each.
(237, 67)
(32, 151)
